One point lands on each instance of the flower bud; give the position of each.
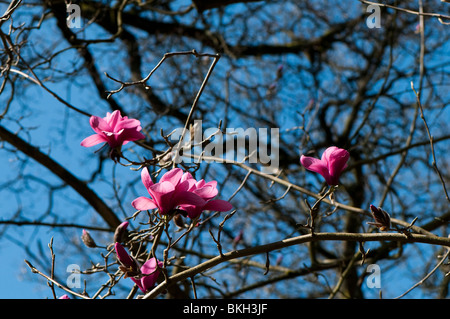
(127, 263)
(120, 234)
(87, 239)
(179, 221)
(381, 217)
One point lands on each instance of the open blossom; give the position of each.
(149, 274)
(330, 166)
(144, 276)
(207, 191)
(180, 190)
(171, 191)
(114, 130)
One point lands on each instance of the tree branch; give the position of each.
(80, 187)
(358, 237)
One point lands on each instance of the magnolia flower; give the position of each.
(178, 190)
(171, 191)
(207, 191)
(114, 130)
(149, 274)
(127, 263)
(145, 276)
(330, 166)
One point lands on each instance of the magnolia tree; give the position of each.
(226, 149)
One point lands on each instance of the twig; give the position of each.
(307, 192)
(344, 275)
(267, 264)
(430, 137)
(144, 80)
(57, 284)
(440, 17)
(427, 276)
(217, 241)
(197, 97)
(357, 237)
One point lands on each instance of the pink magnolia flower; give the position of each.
(145, 276)
(114, 130)
(149, 274)
(330, 166)
(206, 191)
(171, 191)
(127, 263)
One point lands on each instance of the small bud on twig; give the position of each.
(381, 217)
(120, 234)
(87, 239)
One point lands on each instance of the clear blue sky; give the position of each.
(16, 280)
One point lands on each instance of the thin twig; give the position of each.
(357, 237)
(427, 276)
(438, 16)
(430, 137)
(57, 284)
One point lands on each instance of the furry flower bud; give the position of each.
(381, 217)
(87, 239)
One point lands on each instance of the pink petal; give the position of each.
(113, 119)
(162, 188)
(132, 135)
(112, 133)
(173, 176)
(138, 282)
(337, 162)
(126, 123)
(146, 179)
(187, 177)
(184, 186)
(123, 256)
(151, 270)
(143, 203)
(212, 184)
(193, 211)
(218, 205)
(315, 165)
(207, 191)
(200, 183)
(327, 153)
(162, 195)
(99, 125)
(150, 266)
(187, 198)
(93, 140)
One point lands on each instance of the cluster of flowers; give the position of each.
(179, 191)
(117, 131)
(176, 191)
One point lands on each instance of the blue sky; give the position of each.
(49, 116)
